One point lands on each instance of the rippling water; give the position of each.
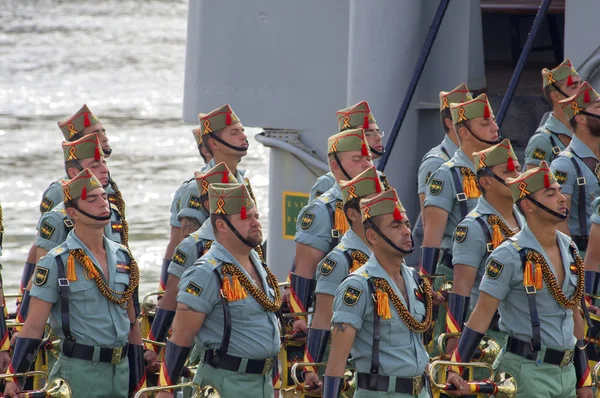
(125, 59)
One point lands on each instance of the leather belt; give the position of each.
(552, 357)
(84, 352)
(404, 385)
(446, 259)
(229, 362)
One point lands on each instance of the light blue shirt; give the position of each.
(432, 160)
(545, 144)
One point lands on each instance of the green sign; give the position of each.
(293, 202)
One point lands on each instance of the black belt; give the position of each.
(113, 356)
(404, 385)
(229, 362)
(446, 259)
(553, 357)
(581, 242)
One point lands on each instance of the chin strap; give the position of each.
(235, 148)
(237, 233)
(376, 152)
(389, 242)
(337, 159)
(490, 173)
(582, 367)
(548, 210)
(22, 357)
(137, 373)
(480, 139)
(97, 218)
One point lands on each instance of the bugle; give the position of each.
(13, 295)
(595, 380)
(301, 387)
(199, 392)
(147, 308)
(487, 352)
(58, 388)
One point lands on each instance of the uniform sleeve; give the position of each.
(52, 231)
(440, 190)
(191, 204)
(538, 148)
(199, 289)
(45, 280)
(331, 271)
(469, 244)
(184, 257)
(323, 184)
(596, 211)
(426, 169)
(313, 227)
(350, 302)
(51, 197)
(500, 271)
(565, 174)
(175, 206)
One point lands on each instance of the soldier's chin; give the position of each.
(107, 151)
(254, 239)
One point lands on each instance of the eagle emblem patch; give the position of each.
(194, 202)
(539, 154)
(46, 205)
(41, 275)
(327, 266)
(460, 234)
(435, 187)
(179, 257)
(307, 220)
(351, 296)
(494, 269)
(46, 230)
(561, 176)
(193, 289)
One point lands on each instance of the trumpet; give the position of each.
(199, 392)
(504, 385)
(301, 387)
(154, 342)
(283, 285)
(13, 295)
(488, 350)
(595, 380)
(147, 307)
(58, 388)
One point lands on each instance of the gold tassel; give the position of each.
(340, 223)
(227, 288)
(355, 265)
(538, 276)
(470, 186)
(71, 275)
(238, 290)
(383, 304)
(528, 274)
(90, 271)
(497, 237)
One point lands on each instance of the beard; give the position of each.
(254, 239)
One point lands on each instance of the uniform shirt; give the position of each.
(503, 280)
(441, 192)
(432, 160)
(470, 245)
(191, 204)
(54, 226)
(254, 330)
(323, 184)
(541, 144)
(93, 319)
(332, 270)
(314, 224)
(566, 175)
(53, 195)
(186, 253)
(595, 211)
(176, 202)
(401, 352)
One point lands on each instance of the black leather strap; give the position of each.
(581, 201)
(553, 139)
(404, 385)
(335, 234)
(222, 350)
(232, 363)
(445, 151)
(63, 285)
(523, 349)
(86, 352)
(488, 235)
(460, 195)
(536, 339)
(374, 370)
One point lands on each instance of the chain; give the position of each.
(258, 295)
(506, 230)
(550, 280)
(358, 260)
(385, 182)
(247, 181)
(105, 290)
(121, 206)
(207, 246)
(409, 320)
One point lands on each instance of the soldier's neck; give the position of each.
(452, 135)
(544, 233)
(392, 264)
(359, 230)
(503, 206)
(92, 238)
(239, 251)
(592, 142)
(468, 150)
(231, 161)
(560, 115)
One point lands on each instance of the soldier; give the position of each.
(577, 168)
(592, 265)
(443, 152)
(539, 266)
(322, 222)
(354, 117)
(380, 312)
(85, 286)
(494, 219)
(175, 236)
(4, 337)
(452, 190)
(227, 302)
(555, 134)
(350, 254)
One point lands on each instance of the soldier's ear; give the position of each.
(448, 123)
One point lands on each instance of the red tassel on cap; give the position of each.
(570, 81)
(97, 154)
(397, 214)
(546, 180)
(486, 112)
(243, 214)
(510, 165)
(377, 186)
(228, 118)
(225, 178)
(86, 120)
(84, 193)
(364, 150)
(366, 122)
(586, 97)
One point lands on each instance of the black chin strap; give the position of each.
(389, 242)
(590, 114)
(335, 156)
(236, 232)
(559, 90)
(235, 148)
(490, 173)
(93, 217)
(547, 209)
(107, 152)
(376, 152)
(480, 139)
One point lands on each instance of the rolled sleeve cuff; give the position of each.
(192, 213)
(328, 288)
(174, 221)
(532, 161)
(463, 258)
(313, 241)
(47, 294)
(176, 270)
(195, 302)
(497, 291)
(45, 244)
(345, 317)
(442, 203)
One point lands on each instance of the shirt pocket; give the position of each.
(121, 281)
(82, 295)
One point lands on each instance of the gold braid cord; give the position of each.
(105, 290)
(550, 280)
(258, 295)
(409, 320)
(247, 181)
(207, 246)
(495, 220)
(358, 260)
(258, 249)
(385, 182)
(121, 206)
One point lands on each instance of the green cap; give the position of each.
(77, 123)
(563, 71)
(573, 105)
(229, 199)
(217, 119)
(531, 181)
(80, 185)
(355, 117)
(218, 174)
(478, 107)
(87, 147)
(494, 155)
(197, 136)
(364, 184)
(385, 203)
(348, 141)
(458, 95)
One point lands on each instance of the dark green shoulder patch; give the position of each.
(46, 205)
(435, 187)
(539, 154)
(327, 266)
(561, 176)
(494, 269)
(41, 276)
(179, 257)
(46, 230)
(351, 296)
(460, 234)
(194, 202)
(307, 220)
(193, 289)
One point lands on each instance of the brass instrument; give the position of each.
(283, 285)
(199, 392)
(150, 308)
(488, 350)
(595, 377)
(13, 295)
(158, 343)
(299, 387)
(503, 386)
(58, 388)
